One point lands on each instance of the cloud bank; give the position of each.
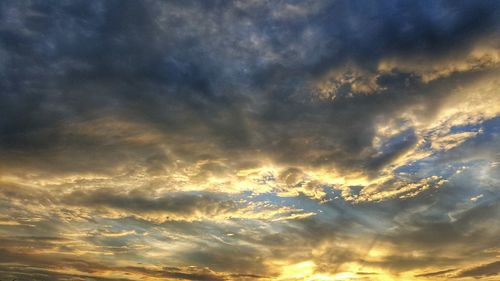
(249, 140)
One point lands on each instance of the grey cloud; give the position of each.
(171, 83)
(184, 204)
(435, 273)
(488, 269)
(25, 274)
(36, 271)
(225, 258)
(178, 273)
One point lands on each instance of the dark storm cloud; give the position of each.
(369, 31)
(144, 61)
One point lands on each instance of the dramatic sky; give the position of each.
(253, 140)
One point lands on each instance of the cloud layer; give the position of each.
(249, 140)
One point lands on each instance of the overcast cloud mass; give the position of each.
(249, 140)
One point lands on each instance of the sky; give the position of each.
(249, 140)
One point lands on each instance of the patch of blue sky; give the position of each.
(306, 203)
(465, 128)
(444, 164)
(490, 128)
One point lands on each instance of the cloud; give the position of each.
(436, 273)
(248, 138)
(183, 204)
(488, 269)
(180, 206)
(64, 269)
